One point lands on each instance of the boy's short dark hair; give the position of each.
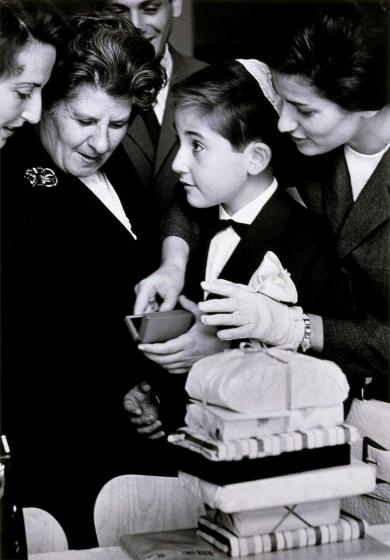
(233, 102)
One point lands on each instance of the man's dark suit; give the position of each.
(357, 338)
(154, 165)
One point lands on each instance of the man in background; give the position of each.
(150, 142)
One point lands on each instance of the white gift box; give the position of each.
(224, 424)
(287, 518)
(310, 486)
(348, 528)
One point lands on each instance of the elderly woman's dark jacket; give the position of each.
(69, 270)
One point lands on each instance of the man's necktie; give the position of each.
(152, 125)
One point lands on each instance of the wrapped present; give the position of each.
(346, 529)
(231, 472)
(252, 382)
(186, 544)
(287, 518)
(224, 424)
(264, 446)
(311, 486)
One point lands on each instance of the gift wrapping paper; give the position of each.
(263, 446)
(310, 486)
(252, 382)
(224, 424)
(231, 472)
(287, 518)
(346, 529)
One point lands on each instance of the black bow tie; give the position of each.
(238, 227)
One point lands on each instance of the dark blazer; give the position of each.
(154, 166)
(302, 242)
(69, 269)
(357, 335)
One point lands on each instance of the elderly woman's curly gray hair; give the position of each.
(109, 52)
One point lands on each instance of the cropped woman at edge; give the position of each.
(29, 35)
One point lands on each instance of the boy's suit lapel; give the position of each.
(267, 227)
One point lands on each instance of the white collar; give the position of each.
(248, 213)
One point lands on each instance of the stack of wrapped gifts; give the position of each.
(266, 450)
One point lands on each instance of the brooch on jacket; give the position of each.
(41, 177)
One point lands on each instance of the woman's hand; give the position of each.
(253, 315)
(179, 354)
(167, 282)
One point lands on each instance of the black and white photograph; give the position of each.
(195, 279)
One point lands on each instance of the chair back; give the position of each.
(43, 532)
(133, 504)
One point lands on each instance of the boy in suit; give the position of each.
(226, 119)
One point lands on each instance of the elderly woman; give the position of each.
(74, 250)
(29, 35)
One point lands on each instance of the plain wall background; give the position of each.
(183, 32)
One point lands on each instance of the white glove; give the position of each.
(254, 314)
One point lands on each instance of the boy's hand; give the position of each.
(179, 354)
(254, 315)
(142, 406)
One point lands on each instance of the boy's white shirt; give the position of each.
(224, 242)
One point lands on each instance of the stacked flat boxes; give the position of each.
(270, 479)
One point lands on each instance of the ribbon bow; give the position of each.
(41, 177)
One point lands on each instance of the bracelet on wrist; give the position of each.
(306, 341)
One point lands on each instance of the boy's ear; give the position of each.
(259, 157)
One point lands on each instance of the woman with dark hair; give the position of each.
(330, 66)
(29, 35)
(75, 244)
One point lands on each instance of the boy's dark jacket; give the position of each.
(302, 242)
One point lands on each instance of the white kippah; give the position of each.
(262, 75)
